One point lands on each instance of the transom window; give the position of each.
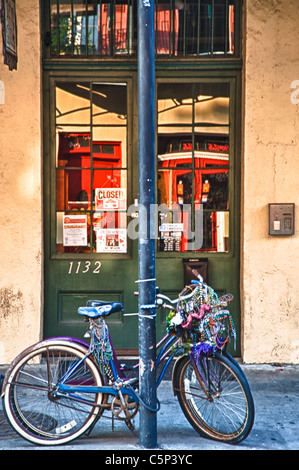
(108, 28)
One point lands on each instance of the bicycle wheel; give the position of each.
(215, 398)
(31, 405)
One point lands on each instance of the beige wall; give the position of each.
(20, 189)
(270, 279)
(270, 284)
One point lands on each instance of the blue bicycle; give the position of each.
(59, 388)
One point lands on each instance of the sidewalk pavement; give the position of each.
(275, 390)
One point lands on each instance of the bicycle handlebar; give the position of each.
(184, 297)
(199, 277)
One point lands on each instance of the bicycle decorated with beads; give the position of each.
(59, 388)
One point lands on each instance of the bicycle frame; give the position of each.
(122, 384)
(120, 381)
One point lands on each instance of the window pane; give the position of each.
(174, 187)
(72, 103)
(62, 22)
(55, 30)
(108, 153)
(73, 189)
(105, 29)
(175, 147)
(175, 103)
(211, 188)
(121, 29)
(73, 148)
(205, 23)
(215, 231)
(79, 27)
(189, 23)
(109, 147)
(212, 107)
(175, 110)
(92, 27)
(109, 104)
(166, 26)
(110, 189)
(223, 27)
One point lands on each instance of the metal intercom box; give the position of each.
(281, 219)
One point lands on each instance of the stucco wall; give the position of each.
(20, 189)
(270, 280)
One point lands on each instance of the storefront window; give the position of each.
(193, 166)
(91, 167)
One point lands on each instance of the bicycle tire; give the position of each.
(228, 414)
(33, 411)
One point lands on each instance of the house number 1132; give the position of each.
(84, 267)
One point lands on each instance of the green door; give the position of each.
(91, 155)
(91, 194)
(90, 186)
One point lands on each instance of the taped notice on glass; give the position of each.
(111, 199)
(171, 227)
(112, 240)
(75, 230)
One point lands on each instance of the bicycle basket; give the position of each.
(203, 316)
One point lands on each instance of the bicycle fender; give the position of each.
(78, 344)
(174, 373)
(1, 380)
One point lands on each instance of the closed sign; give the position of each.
(110, 198)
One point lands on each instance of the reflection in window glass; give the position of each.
(61, 27)
(175, 99)
(215, 231)
(211, 188)
(175, 187)
(197, 28)
(109, 103)
(211, 105)
(91, 168)
(73, 148)
(193, 165)
(72, 103)
(73, 189)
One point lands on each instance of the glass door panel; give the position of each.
(193, 166)
(91, 167)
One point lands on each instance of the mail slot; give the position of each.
(281, 219)
(200, 264)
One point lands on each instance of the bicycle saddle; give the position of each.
(98, 308)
